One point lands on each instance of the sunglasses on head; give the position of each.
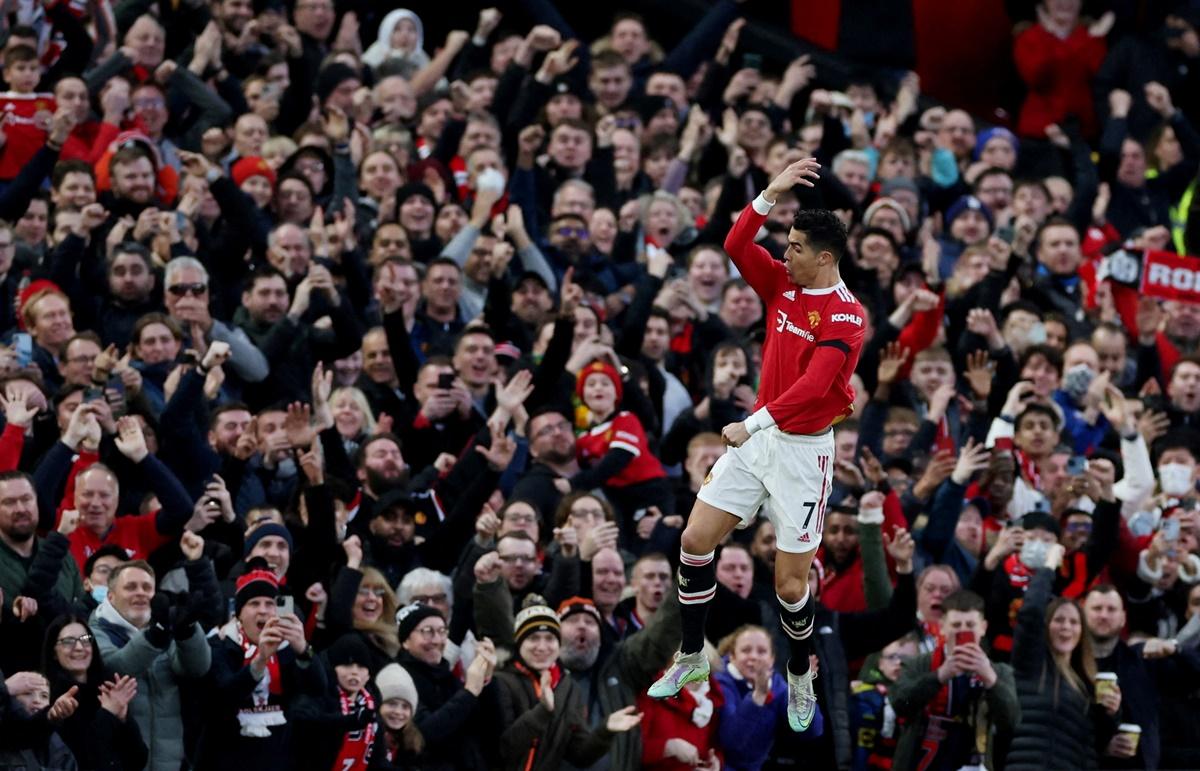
(195, 290)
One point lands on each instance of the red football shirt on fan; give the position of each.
(814, 337)
(623, 432)
(26, 119)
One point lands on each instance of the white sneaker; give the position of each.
(802, 701)
(687, 668)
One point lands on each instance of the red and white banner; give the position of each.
(1169, 276)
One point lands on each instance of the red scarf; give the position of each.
(356, 746)
(250, 650)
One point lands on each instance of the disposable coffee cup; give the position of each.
(1133, 731)
(1106, 682)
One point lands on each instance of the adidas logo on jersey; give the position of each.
(790, 294)
(804, 538)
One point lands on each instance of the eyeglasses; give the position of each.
(148, 104)
(518, 517)
(195, 290)
(553, 428)
(517, 559)
(429, 599)
(891, 657)
(1079, 527)
(431, 632)
(573, 232)
(70, 642)
(82, 359)
(371, 591)
(589, 513)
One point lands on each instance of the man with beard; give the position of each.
(611, 676)
(531, 304)
(552, 449)
(1145, 672)
(139, 634)
(22, 553)
(418, 526)
(284, 329)
(132, 173)
(241, 51)
(568, 244)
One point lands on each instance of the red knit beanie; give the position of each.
(600, 368)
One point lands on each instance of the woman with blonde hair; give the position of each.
(1063, 715)
(361, 602)
(754, 699)
(352, 416)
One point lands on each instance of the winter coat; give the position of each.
(320, 728)
(96, 737)
(233, 684)
(680, 717)
(624, 670)
(156, 708)
(1057, 721)
(446, 717)
(918, 686)
(747, 731)
(536, 739)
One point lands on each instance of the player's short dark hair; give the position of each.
(825, 231)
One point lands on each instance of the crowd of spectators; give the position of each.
(357, 386)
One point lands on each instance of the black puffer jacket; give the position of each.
(1060, 727)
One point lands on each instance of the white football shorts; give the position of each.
(791, 474)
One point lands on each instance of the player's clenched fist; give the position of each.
(735, 434)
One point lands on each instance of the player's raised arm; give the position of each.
(754, 262)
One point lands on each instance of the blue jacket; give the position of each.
(747, 731)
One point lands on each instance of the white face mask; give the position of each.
(1175, 478)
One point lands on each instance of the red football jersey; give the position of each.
(623, 432)
(814, 338)
(26, 118)
(137, 534)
